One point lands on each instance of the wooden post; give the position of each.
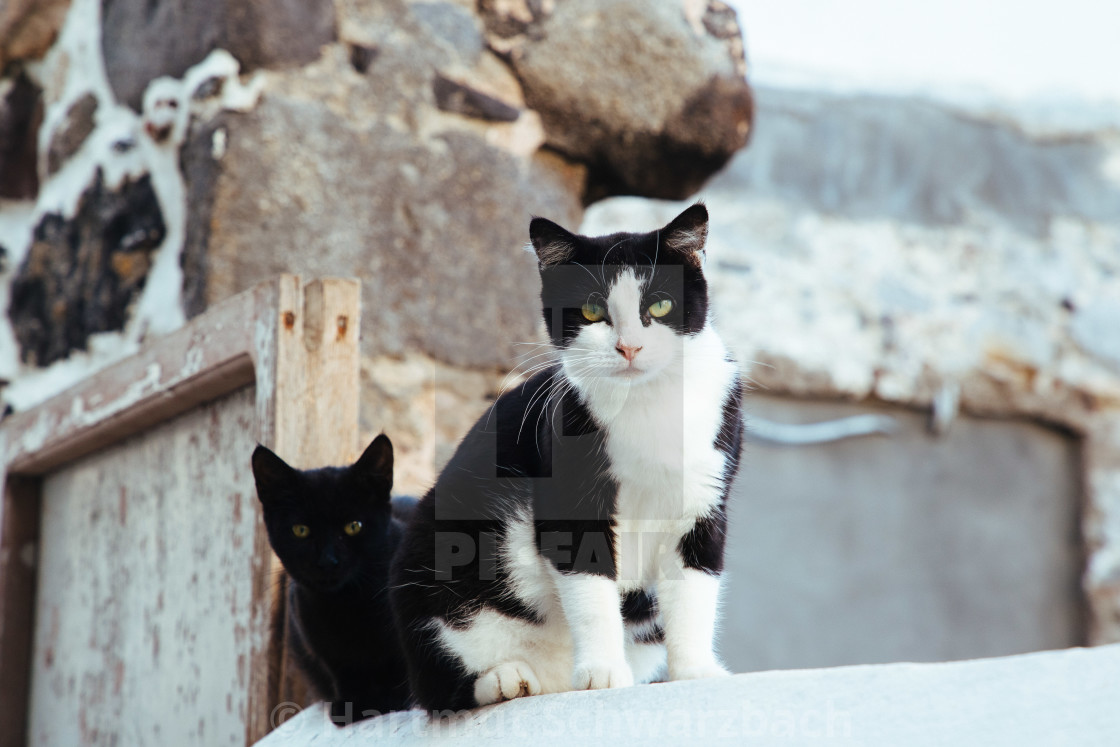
(309, 417)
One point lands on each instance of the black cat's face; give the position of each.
(618, 307)
(326, 524)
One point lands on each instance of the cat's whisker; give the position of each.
(582, 267)
(529, 408)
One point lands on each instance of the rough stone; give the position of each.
(199, 163)
(69, 135)
(142, 41)
(460, 98)
(453, 25)
(21, 114)
(427, 406)
(658, 107)
(29, 27)
(425, 223)
(80, 274)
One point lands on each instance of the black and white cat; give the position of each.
(575, 539)
(333, 530)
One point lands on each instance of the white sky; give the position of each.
(1055, 49)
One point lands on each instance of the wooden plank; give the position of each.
(309, 417)
(208, 358)
(18, 556)
(144, 630)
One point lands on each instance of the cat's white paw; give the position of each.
(698, 671)
(601, 675)
(514, 679)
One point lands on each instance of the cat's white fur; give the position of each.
(662, 413)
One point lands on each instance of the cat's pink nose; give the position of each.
(627, 351)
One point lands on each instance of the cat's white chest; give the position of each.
(660, 440)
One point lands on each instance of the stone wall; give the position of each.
(159, 157)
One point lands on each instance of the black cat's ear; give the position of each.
(271, 473)
(375, 465)
(554, 245)
(687, 233)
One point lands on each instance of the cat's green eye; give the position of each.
(593, 312)
(353, 528)
(301, 530)
(661, 308)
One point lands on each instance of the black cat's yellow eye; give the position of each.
(593, 312)
(660, 308)
(301, 530)
(353, 528)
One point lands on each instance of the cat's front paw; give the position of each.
(514, 679)
(698, 671)
(601, 675)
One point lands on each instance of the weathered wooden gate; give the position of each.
(137, 585)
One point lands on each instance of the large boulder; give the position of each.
(650, 95)
(374, 173)
(426, 224)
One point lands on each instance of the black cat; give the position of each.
(335, 534)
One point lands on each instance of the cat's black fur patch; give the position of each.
(340, 626)
(702, 548)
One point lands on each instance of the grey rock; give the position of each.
(69, 135)
(454, 25)
(653, 105)
(200, 169)
(460, 98)
(142, 41)
(21, 114)
(81, 274)
(434, 228)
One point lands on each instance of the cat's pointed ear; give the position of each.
(553, 244)
(270, 472)
(687, 234)
(375, 465)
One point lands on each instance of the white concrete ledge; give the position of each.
(1069, 697)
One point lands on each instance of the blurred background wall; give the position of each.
(925, 225)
